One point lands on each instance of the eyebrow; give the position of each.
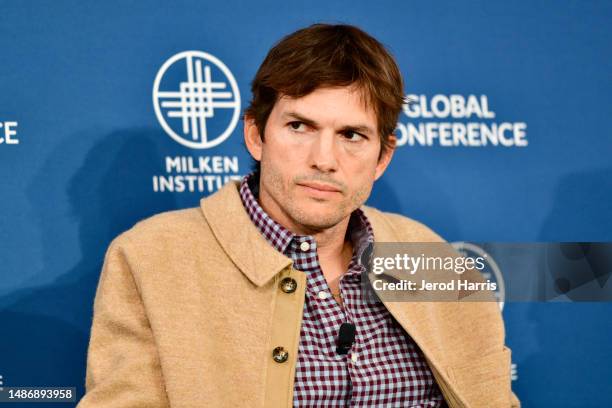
(366, 130)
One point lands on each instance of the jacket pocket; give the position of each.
(485, 380)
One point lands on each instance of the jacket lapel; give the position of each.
(239, 237)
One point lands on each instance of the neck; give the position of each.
(333, 242)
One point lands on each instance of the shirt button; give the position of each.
(322, 295)
(304, 246)
(288, 285)
(354, 357)
(280, 355)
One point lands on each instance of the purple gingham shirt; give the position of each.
(384, 367)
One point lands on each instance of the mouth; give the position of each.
(319, 190)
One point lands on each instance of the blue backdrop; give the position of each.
(82, 150)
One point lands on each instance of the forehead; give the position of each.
(334, 106)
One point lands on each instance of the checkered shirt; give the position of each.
(384, 367)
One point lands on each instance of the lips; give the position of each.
(321, 187)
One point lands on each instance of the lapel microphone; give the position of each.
(346, 337)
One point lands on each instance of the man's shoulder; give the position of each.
(181, 225)
(403, 227)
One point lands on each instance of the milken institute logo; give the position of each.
(186, 96)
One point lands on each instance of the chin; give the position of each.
(318, 219)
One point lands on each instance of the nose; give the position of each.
(323, 153)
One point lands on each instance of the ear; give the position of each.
(252, 138)
(385, 158)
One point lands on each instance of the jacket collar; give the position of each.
(239, 237)
(243, 242)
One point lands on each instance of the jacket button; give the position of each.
(280, 355)
(288, 285)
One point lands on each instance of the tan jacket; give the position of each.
(188, 310)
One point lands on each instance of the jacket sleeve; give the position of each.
(123, 368)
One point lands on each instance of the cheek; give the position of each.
(361, 183)
(277, 173)
(361, 170)
(286, 149)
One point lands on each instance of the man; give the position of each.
(238, 303)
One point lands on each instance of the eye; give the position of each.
(353, 136)
(297, 126)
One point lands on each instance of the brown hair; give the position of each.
(325, 55)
